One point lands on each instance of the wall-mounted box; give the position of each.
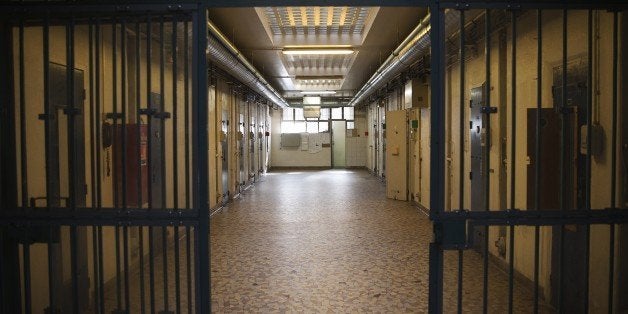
(136, 159)
(290, 140)
(417, 93)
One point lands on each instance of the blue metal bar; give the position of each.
(162, 137)
(513, 147)
(200, 161)
(588, 156)
(537, 152)
(437, 152)
(486, 151)
(563, 164)
(124, 105)
(461, 175)
(611, 262)
(138, 152)
(175, 163)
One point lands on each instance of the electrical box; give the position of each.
(596, 138)
(417, 93)
(131, 163)
(290, 140)
(414, 124)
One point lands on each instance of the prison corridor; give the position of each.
(318, 241)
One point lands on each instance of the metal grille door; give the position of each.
(548, 120)
(107, 109)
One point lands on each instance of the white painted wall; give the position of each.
(293, 157)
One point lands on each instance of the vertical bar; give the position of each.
(118, 270)
(123, 109)
(588, 156)
(46, 54)
(151, 257)
(162, 84)
(124, 105)
(537, 152)
(175, 163)
(71, 162)
(513, 147)
(100, 277)
(611, 261)
(563, 164)
(149, 62)
(114, 71)
(138, 152)
(93, 148)
(23, 158)
(101, 272)
(114, 63)
(186, 103)
(27, 277)
(186, 118)
(437, 152)
(127, 298)
(188, 267)
(23, 170)
(485, 154)
(461, 149)
(200, 160)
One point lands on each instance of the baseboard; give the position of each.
(424, 210)
(526, 282)
(282, 168)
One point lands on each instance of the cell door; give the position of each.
(241, 144)
(397, 139)
(479, 152)
(224, 152)
(570, 240)
(339, 134)
(261, 121)
(66, 151)
(382, 140)
(252, 142)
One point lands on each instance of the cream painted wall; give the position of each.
(526, 98)
(34, 92)
(294, 157)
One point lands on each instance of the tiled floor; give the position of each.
(320, 241)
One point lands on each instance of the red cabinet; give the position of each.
(135, 157)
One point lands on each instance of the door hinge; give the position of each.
(470, 175)
(488, 109)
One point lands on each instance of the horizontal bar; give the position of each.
(553, 4)
(94, 7)
(536, 218)
(104, 217)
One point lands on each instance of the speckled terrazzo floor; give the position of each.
(321, 241)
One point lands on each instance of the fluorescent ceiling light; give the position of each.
(314, 77)
(318, 92)
(317, 51)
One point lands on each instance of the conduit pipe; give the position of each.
(221, 51)
(415, 45)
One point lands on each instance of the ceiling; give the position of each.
(262, 33)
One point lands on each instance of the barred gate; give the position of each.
(534, 196)
(104, 117)
(95, 163)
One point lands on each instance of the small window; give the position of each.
(312, 127)
(348, 111)
(323, 127)
(287, 127)
(324, 114)
(350, 125)
(299, 127)
(288, 115)
(336, 113)
(298, 114)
